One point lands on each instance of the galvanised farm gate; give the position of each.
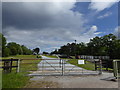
(61, 67)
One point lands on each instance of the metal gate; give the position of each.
(61, 67)
(51, 67)
(92, 67)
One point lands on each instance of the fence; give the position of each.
(61, 67)
(107, 63)
(55, 66)
(8, 64)
(94, 57)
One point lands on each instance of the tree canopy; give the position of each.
(12, 48)
(36, 51)
(107, 45)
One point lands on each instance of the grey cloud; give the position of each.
(16, 15)
(47, 39)
(44, 25)
(0, 16)
(39, 16)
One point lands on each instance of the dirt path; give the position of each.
(102, 81)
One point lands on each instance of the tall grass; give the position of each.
(19, 80)
(14, 80)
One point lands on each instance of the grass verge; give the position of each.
(87, 66)
(19, 80)
(50, 56)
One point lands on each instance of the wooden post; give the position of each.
(63, 63)
(18, 65)
(100, 71)
(6, 66)
(60, 63)
(117, 70)
(11, 65)
(95, 66)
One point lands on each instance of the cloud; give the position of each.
(92, 32)
(101, 5)
(47, 39)
(105, 15)
(45, 24)
(0, 17)
(40, 15)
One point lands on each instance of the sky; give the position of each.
(49, 25)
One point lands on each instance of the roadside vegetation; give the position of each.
(50, 56)
(107, 45)
(19, 80)
(87, 66)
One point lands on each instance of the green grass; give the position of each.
(88, 65)
(50, 56)
(21, 57)
(13, 80)
(19, 80)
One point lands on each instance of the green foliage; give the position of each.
(107, 45)
(2, 44)
(6, 52)
(25, 50)
(13, 80)
(3, 40)
(54, 52)
(36, 51)
(12, 48)
(45, 53)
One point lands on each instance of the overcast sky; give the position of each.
(48, 25)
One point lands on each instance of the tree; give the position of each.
(25, 50)
(54, 52)
(36, 51)
(95, 45)
(107, 45)
(18, 49)
(109, 41)
(14, 48)
(45, 53)
(3, 49)
(82, 49)
(6, 52)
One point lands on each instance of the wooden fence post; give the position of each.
(11, 62)
(100, 71)
(18, 65)
(7, 66)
